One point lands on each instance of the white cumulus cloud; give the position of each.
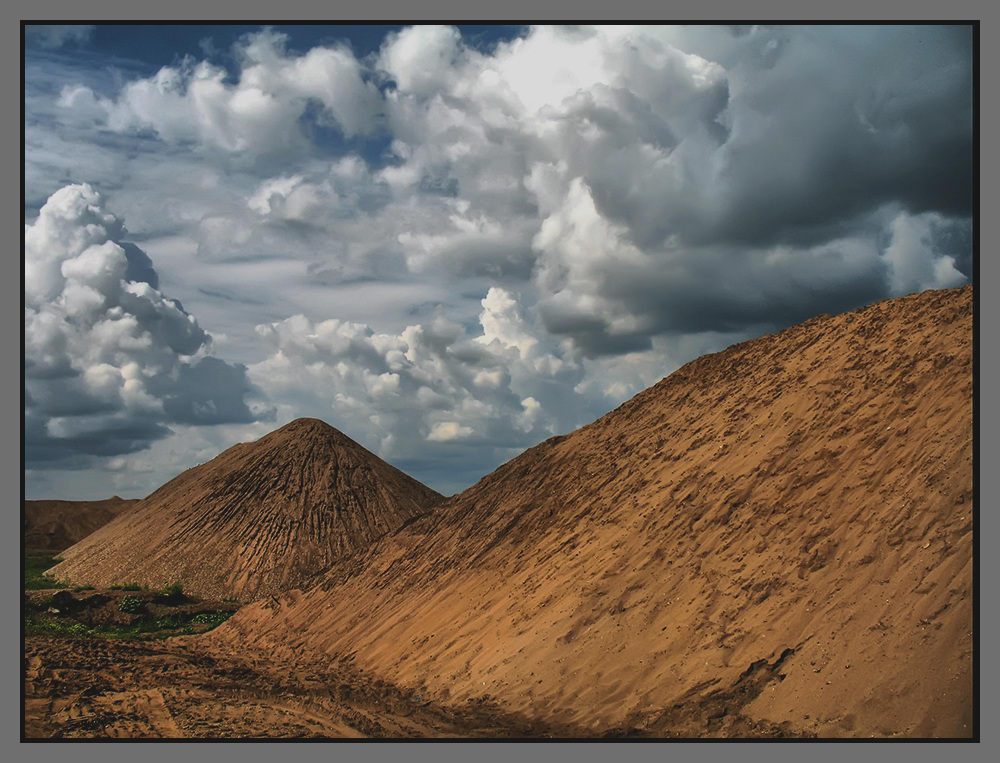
(109, 360)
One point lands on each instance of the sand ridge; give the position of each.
(259, 518)
(801, 503)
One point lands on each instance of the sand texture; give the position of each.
(260, 518)
(776, 538)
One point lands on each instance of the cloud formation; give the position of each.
(109, 360)
(431, 383)
(261, 113)
(451, 250)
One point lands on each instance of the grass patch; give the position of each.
(35, 565)
(126, 587)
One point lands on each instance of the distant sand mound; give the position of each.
(797, 507)
(258, 519)
(57, 525)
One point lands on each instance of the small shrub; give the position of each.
(126, 587)
(172, 594)
(84, 588)
(131, 604)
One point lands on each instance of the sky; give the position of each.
(452, 243)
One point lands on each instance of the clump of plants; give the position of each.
(132, 605)
(171, 594)
(125, 587)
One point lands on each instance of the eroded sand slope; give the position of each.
(800, 503)
(259, 518)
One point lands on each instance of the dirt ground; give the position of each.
(99, 688)
(183, 688)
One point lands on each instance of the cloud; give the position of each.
(259, 114)
(52, 36)
(428, 386)
(445, 431)
(655, 190)
(110, 361)
(686, 154)
(451, 250)
(917, 256)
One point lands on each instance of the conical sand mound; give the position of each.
(258, 519)
(775, 539)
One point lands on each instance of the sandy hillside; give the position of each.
(55, 525)
(259, 518)
(777, 537)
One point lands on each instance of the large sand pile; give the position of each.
(259, 518)
(55, 525)
(777, 537)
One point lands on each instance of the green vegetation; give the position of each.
(211, 618)
(160, 628)
(132, 605)
(149, 627)
(35, 565)
(155, 615)
(172, 594)
(173, 590)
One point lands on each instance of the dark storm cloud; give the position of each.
(140, 268)
(80, 450)
(680, 303)
(207, 392)
(953, 238)
(839, 123)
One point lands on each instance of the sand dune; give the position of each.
(259, 518)
(774, 539)
(56, 525)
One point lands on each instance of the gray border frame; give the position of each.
(512, 11)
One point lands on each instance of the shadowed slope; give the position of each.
(55, 525)
(259, 518)
(797, 507)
